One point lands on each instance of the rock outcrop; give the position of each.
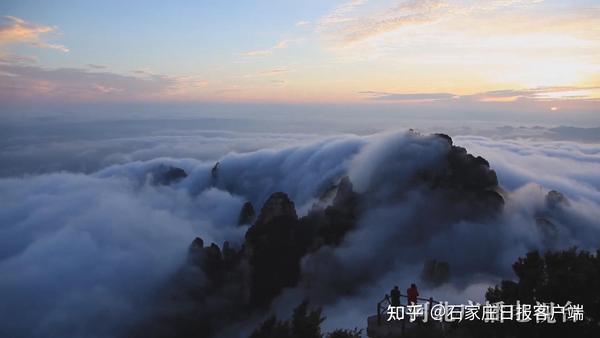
(165, 175)
(468, 179)
(555, 199)
(247, 214)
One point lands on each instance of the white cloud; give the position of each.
(302, 23)
(275, 71)
(74, 84)
(354, 21)
(16, 30)
(283, 44)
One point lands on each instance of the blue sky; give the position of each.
(165, 37)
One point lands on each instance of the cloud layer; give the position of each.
(550, 94)
(24, 81)
(96, 246)
(348, 26)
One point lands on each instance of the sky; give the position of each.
(533, 55)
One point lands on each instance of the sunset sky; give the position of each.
(519, 52)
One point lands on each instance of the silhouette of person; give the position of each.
(412, 293)
(395, 296)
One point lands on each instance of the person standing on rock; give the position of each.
(395, 296)
(412, 293)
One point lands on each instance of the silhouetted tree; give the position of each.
(341, 333)
(557, 277)
(304, 324)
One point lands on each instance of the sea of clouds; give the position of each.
(85, 242)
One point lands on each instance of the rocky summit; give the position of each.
(237, 283)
